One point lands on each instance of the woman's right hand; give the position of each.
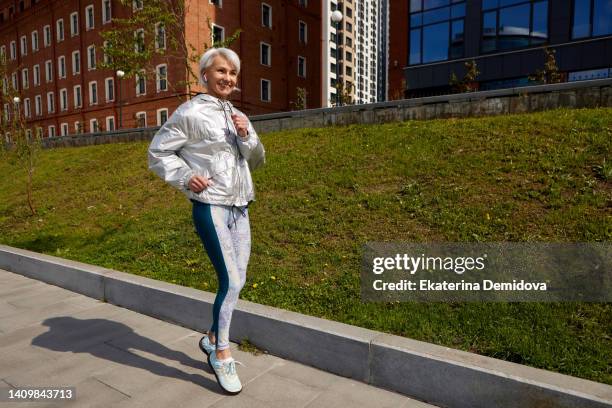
(199, 183)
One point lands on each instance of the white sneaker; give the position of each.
(225, 372)
(206, 346)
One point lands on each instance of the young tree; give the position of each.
(550, 74)
(468, 83)
(344, 89)
(155, 28)
(301, 99)
(20, 146)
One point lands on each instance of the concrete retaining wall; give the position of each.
(438, 375)
(584, 94)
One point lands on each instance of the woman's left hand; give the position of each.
(242, 124)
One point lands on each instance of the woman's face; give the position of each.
(222, 77)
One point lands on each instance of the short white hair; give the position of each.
(207, 59)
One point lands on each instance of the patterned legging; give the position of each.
(226, 235)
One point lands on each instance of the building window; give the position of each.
(141, 119)
(24, 45)
(141, 83)
(78, 128)
(592, 18)
(25, 78)
(162, 116)
(110, 123)
(64, 129)
(15, 81)
(436, 30)
(303, 32)
(38, 105)
(139, 44)
(265, 90)
(3, 52)
(59, 28)
(13, 50)
(516, 26)
(105, 57)
(76, 62)
(162, 77)
(49, 71)
(301, 67)
(349, 27)
(137, 5)
(78, 97)
(160, 36)
(50, 102)
(265, 54)
(61, 67)
(51, 131)
(93, 126)
(349, 56)
(303, 3)
(34, 41)
(63, 99)
(93, 93)
(110, 89)
(266, 15)
(91, 57)
(106, 11)
(218, 34)
(47, 35)
(27, 108)
(36, 73)
(74, 24)
(89, 17)
(349, 12)
(218, 3)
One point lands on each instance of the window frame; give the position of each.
(159, 111)
(263, 23)
(261, 82)
(140, 79)
(35, 41)
(300, 57)
(90, 24)
(74, 26)
(106, 19)
(158, 78)
(305, 39)
(80, 96)
(76, 67)
(93, 86)
(62, 92)
(61, 66)
(59, 33)
(50, 102)
(91, 61)
(261, 54)
(106, 89)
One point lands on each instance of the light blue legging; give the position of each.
(226, 235)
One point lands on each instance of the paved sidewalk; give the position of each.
(115, 357)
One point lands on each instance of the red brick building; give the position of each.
(54, 49)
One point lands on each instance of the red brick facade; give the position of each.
(30, 16)
(398, 46)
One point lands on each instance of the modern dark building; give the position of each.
(506, 39)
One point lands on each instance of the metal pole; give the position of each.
(120, 106)
(337, 64)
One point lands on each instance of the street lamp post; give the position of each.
(336, 17)
(120, 75)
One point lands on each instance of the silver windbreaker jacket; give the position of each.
(200, 138)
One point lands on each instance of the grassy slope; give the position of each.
(324, 192)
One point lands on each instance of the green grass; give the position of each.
(324, 192)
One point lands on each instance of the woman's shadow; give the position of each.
(67, 334)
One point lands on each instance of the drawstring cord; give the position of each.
(227, 123)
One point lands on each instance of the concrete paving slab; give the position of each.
(349, 393)
(119, 358)
(280, 392)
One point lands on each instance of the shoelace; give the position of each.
(230, 368)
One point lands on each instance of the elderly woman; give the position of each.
(207, 149)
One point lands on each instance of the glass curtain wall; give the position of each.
(592, 18)
(436, 30)
(512, 24)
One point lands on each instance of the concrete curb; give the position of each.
(438, 375)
